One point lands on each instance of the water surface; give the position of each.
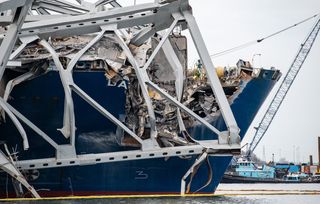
(226, 193)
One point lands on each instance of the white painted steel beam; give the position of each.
(104, 112)
(182, 107)
(77, 56)
(179, 75)
(212, 148)
(13, 82)
(8, 167)
(14, 64)
(6, 20)
(113, 3)
(58, 9)
(68, 129)
(191, 170)
(25, 41)
(219, 94)
(89, 23)
(11, 4)
(67, 4)
(9, 40)
(42, 11)
(142, 77)
(30, 124)
(159, 46)
(16, 123)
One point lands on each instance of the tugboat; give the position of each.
(246, 171)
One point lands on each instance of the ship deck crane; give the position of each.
(284, 87)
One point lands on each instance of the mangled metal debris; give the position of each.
(108, 55)
(137, 51)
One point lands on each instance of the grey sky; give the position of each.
(228, 23)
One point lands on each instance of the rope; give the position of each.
(242, 46)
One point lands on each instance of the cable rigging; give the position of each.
(247, 44)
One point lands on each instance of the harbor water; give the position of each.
(226, 193)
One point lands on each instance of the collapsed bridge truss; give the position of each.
(23, 22)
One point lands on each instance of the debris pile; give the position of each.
(107, 55)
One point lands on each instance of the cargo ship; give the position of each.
(108, 144)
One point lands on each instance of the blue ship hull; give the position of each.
(41, 101)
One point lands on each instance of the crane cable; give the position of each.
(239, 47)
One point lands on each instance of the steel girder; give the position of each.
(160, 16)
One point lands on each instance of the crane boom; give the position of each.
(284, 87)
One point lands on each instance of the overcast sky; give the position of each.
(228, 23)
